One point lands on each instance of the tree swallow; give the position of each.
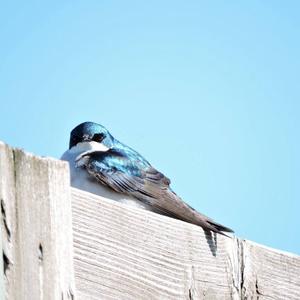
(102, 165)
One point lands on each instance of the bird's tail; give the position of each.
(175, 207)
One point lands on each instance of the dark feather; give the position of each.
(127, 173)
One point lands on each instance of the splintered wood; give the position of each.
(119, 252)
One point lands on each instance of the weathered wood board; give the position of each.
(36, 227)
(119, 252)
(269, 273)
(128, 253)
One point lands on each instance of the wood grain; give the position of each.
(36, 226)
(53, 235)
(128, 253)
(270, 273)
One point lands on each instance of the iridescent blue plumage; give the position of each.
(90, 131)
(119, 160)
(120, 157)
(125, 171)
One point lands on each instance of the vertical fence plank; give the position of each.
(37, 227)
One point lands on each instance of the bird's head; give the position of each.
(88, 132)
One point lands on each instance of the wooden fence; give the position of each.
(62, 243)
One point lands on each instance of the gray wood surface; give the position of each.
(119, 252)
(36, 227)
(2, 294)
(128, 253)
(270, 273)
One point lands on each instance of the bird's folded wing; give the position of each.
(131, 177)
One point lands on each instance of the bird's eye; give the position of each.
(98, 137)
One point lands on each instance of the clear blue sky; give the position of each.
(207, 91)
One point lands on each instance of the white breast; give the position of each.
(81, 179)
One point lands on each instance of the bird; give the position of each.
(102, 165)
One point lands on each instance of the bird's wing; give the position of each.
(126, 175)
